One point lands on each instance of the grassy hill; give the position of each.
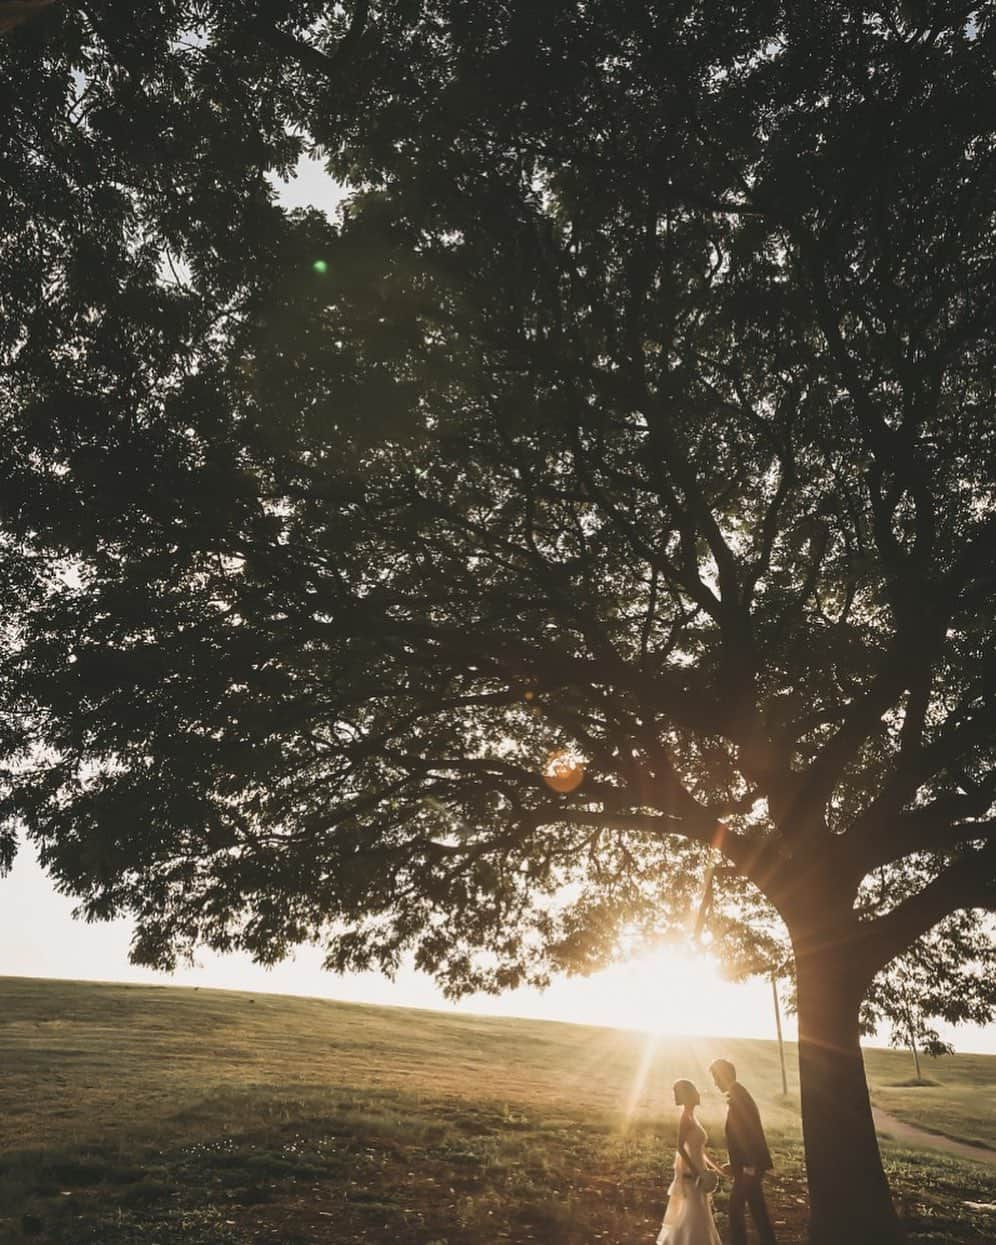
(138, 1110)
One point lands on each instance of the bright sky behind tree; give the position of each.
(668, 992)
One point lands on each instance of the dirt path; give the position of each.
(901, 1131)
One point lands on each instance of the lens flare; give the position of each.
(321, 267)
(564, 771)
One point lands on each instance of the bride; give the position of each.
(688, 1218)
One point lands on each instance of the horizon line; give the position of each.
(432, 1011)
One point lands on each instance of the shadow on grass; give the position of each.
(369, 1166)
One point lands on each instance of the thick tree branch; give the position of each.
(861, 719)
(937, 827)
(309, 57)
(878, 829)
(968, 883)
(702, 827)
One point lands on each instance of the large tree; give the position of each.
(639, 407)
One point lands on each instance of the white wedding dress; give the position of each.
(688, 1218)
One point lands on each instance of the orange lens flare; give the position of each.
(563, 772)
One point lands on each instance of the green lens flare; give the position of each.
(320, 266)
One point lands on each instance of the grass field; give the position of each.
(160, 1115)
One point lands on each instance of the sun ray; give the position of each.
(647, 1059)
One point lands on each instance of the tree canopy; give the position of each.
(657, 394)
(636, 407)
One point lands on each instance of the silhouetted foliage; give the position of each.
(637, 406)
(948, 974)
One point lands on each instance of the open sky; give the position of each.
(668, 992)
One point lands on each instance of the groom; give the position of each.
(749, 1156)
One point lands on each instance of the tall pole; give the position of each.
(778, 1026)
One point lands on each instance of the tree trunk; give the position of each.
(849, 1194)
(911, 1032)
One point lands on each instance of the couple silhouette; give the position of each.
(688, 1219)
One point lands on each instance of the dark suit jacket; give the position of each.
(744, 1135)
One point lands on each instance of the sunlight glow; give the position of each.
(670, 991)
(638, 1089)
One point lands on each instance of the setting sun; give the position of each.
(668, 991)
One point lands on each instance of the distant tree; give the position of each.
(635, 414)
(949, 974)
(904, 1009)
